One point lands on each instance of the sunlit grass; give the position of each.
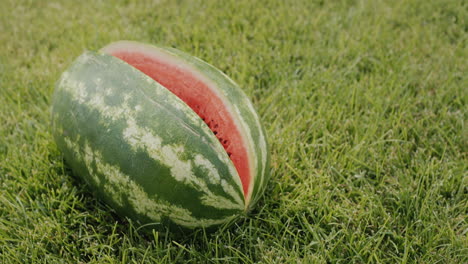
(364, 103)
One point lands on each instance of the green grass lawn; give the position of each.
(364, 104)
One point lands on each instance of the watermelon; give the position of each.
(162, 137)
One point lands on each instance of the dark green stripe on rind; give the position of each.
(111, 121)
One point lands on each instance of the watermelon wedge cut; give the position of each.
(161, 136)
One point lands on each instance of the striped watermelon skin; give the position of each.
(143, 151)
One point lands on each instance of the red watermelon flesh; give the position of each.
(200, 97)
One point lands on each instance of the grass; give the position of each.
(364, 104)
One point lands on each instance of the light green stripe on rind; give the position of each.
(152, 121)
(143, 139)
(234, 98)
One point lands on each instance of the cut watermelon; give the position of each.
(161, 136)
